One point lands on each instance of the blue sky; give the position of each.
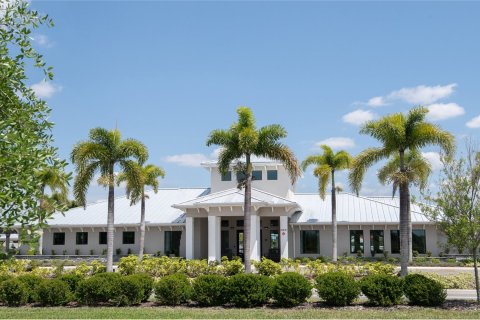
(167, 73)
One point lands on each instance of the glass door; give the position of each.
(240, 244)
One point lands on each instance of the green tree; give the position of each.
(240, 143)
(136, 180)
(26, 143)
(101, 153)
(398, 134)
(455, 207)
(326, 165)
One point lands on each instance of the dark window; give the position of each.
(59, 238)
(376, 241)
(240, 176)
(395, 241)
(172, 242)
(82, 237)
(274, 223)
(272, 174)
(310, 241)
(257, 175)
(102, 238)
(128, 237)
(225, 223)
(419, 241)
(356, 241)
(239, 223)
(227, 176)
(225, 241)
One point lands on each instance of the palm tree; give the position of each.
(325, 166)
(398, 134)
(417, 171)
(136, 181)
(242, 141)
(101, 153)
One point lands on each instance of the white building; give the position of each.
(208, 222)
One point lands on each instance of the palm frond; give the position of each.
(323, 173)
(317, 160)
(82, 181)
(133, 148)
(424, 134)
(281, 152)
(362, 162)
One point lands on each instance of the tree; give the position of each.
(325, 166)
(136, 180)
(455, 207)
(398, 134)
(417, 171)
(26, 143)
(101, 153)
(241, 142)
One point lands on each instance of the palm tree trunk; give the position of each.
(246, 215)
(334, 219)
(404, 243)
(142, 228)
(410, 247)
(110, 221)
(475, 269)
(7, 241)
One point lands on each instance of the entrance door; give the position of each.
(274, 252)
(240, 244)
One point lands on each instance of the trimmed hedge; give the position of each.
(146, 282)
(423, 291)
(97, 289)
(291, 289)
(128, 291)
(249, 290)
(337, 288)
(32, 282)
(382, 289)
(54, 293)
(173, 289)
(71, 280)
(14, 292)
(210, 290)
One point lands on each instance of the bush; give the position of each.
(210, 290)
(232, 267)
(173, 289)
(160, 267)
(128, 291)
(195, 268)
(146, 282)
(337, 288)
(382, 290)
(14, 292)
(249, 290)
(267, 267)
(290, 289)
(97, 289)
(98, 267)
(371, 268)
(5, 277)
(54, 293)
(71, 280)
(128, 265)
(453, 281)
(423, 291)
(32, 282)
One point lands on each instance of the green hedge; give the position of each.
(32, 282)
(423, 291)
(382, 290)
(337, 288)
(14, 292)
(54, 293)
(173, 289)
(249, 290)
(291, 289)
(210, 290)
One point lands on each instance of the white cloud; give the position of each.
(442, 111)
(337, 142)
(45, 89)
(377, 102)
(188, 159)
(358, 117)
(474, 123)
(42, 40)
(434, 159)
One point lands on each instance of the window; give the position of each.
(395, 241)
(227, 176)
(239, 223)
(310, 241)
(240, 176)
(102, 238)
(272, 174)
(376, 241)
(274, 223)
(356, 241)
(59, 238)
(419, 241)
(128, 237)
(172, 242)
(82, 237)
(257, 175)
(225, 223)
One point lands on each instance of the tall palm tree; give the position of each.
(136, 181)
(101, 153)
(398, 134)
(325, 166)
(242, 141)
(417, 171)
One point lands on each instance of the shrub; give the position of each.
(267, 267)
(128, 265)
(5, 277)
(378, 268)
(423, 291)
(382, 289)
(337, 288)
(232, 267)
(290, 265)
(159, 267)
(290, 289)
(14, 292)
(249, 290)
(97, 289)
(71, 280)
(194, 268)
(97, 267)
(32, 282)
(82, 270)
(54, 293)
(173, 289)
(146, 282)
(453, 281)
(128, 291)
(210, 290)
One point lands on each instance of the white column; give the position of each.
(284, 237)
(189, 238)
(255, 237)
(214, 238)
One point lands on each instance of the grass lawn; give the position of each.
(222, 313)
